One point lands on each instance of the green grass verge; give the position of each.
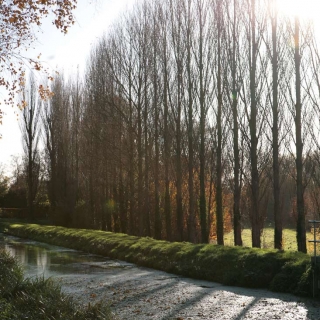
(267, 239)
(283, 271)
(39, 299)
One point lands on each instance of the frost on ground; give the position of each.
(141, 293)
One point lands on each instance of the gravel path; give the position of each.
(142, 293)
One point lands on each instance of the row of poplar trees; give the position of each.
(190, 111)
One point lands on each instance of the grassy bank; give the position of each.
(279, 271)
(39, 299)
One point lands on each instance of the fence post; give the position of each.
(314, 262)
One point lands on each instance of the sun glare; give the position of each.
(308, 9)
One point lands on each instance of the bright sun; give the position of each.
(303, 8)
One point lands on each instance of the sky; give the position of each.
(69, 52)
(62, 52)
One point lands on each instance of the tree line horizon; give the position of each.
(193, 117)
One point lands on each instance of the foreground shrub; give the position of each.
(10, 273)
(39, 299)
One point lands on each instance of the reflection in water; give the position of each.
(43, 259)
(31, 255)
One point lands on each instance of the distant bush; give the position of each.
(294, 277)
(39, 299)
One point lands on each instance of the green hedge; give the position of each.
(248, 267)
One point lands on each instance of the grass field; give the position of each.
(289, 239)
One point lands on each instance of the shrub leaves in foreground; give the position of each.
(39, 299)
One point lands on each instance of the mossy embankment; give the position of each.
(248, 267)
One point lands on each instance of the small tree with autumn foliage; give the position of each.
(19, 20)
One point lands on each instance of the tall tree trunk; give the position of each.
(275, 134)
(132, 226)
(30, 137)
(122, 209)
(140, 162)
(178, 166)
(115, 202)
(146, 215)
(108, 213)
(31, 163)
(104, 212)
(191, 218)
(301, 228)
(157, 217)
(255, 212)
(167, 203)
(219, 208)
(157, 220)
(179, 66)
(202, 200)
(236, 169)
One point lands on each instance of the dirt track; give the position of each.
(141, 293)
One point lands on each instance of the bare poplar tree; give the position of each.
(233, 31)
(256, 229)
(220, 56)
(30, 129)
(190, 107)
(301, 229)
(165, 62)
(203, 48)
(275, 132)
(177, 46)
(276, 48)
(156, 109)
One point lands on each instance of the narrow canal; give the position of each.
(41, 259)
(141, 293)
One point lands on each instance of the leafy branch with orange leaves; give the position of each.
(18, 22)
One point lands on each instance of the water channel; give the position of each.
(41, 259)
(141, 293)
